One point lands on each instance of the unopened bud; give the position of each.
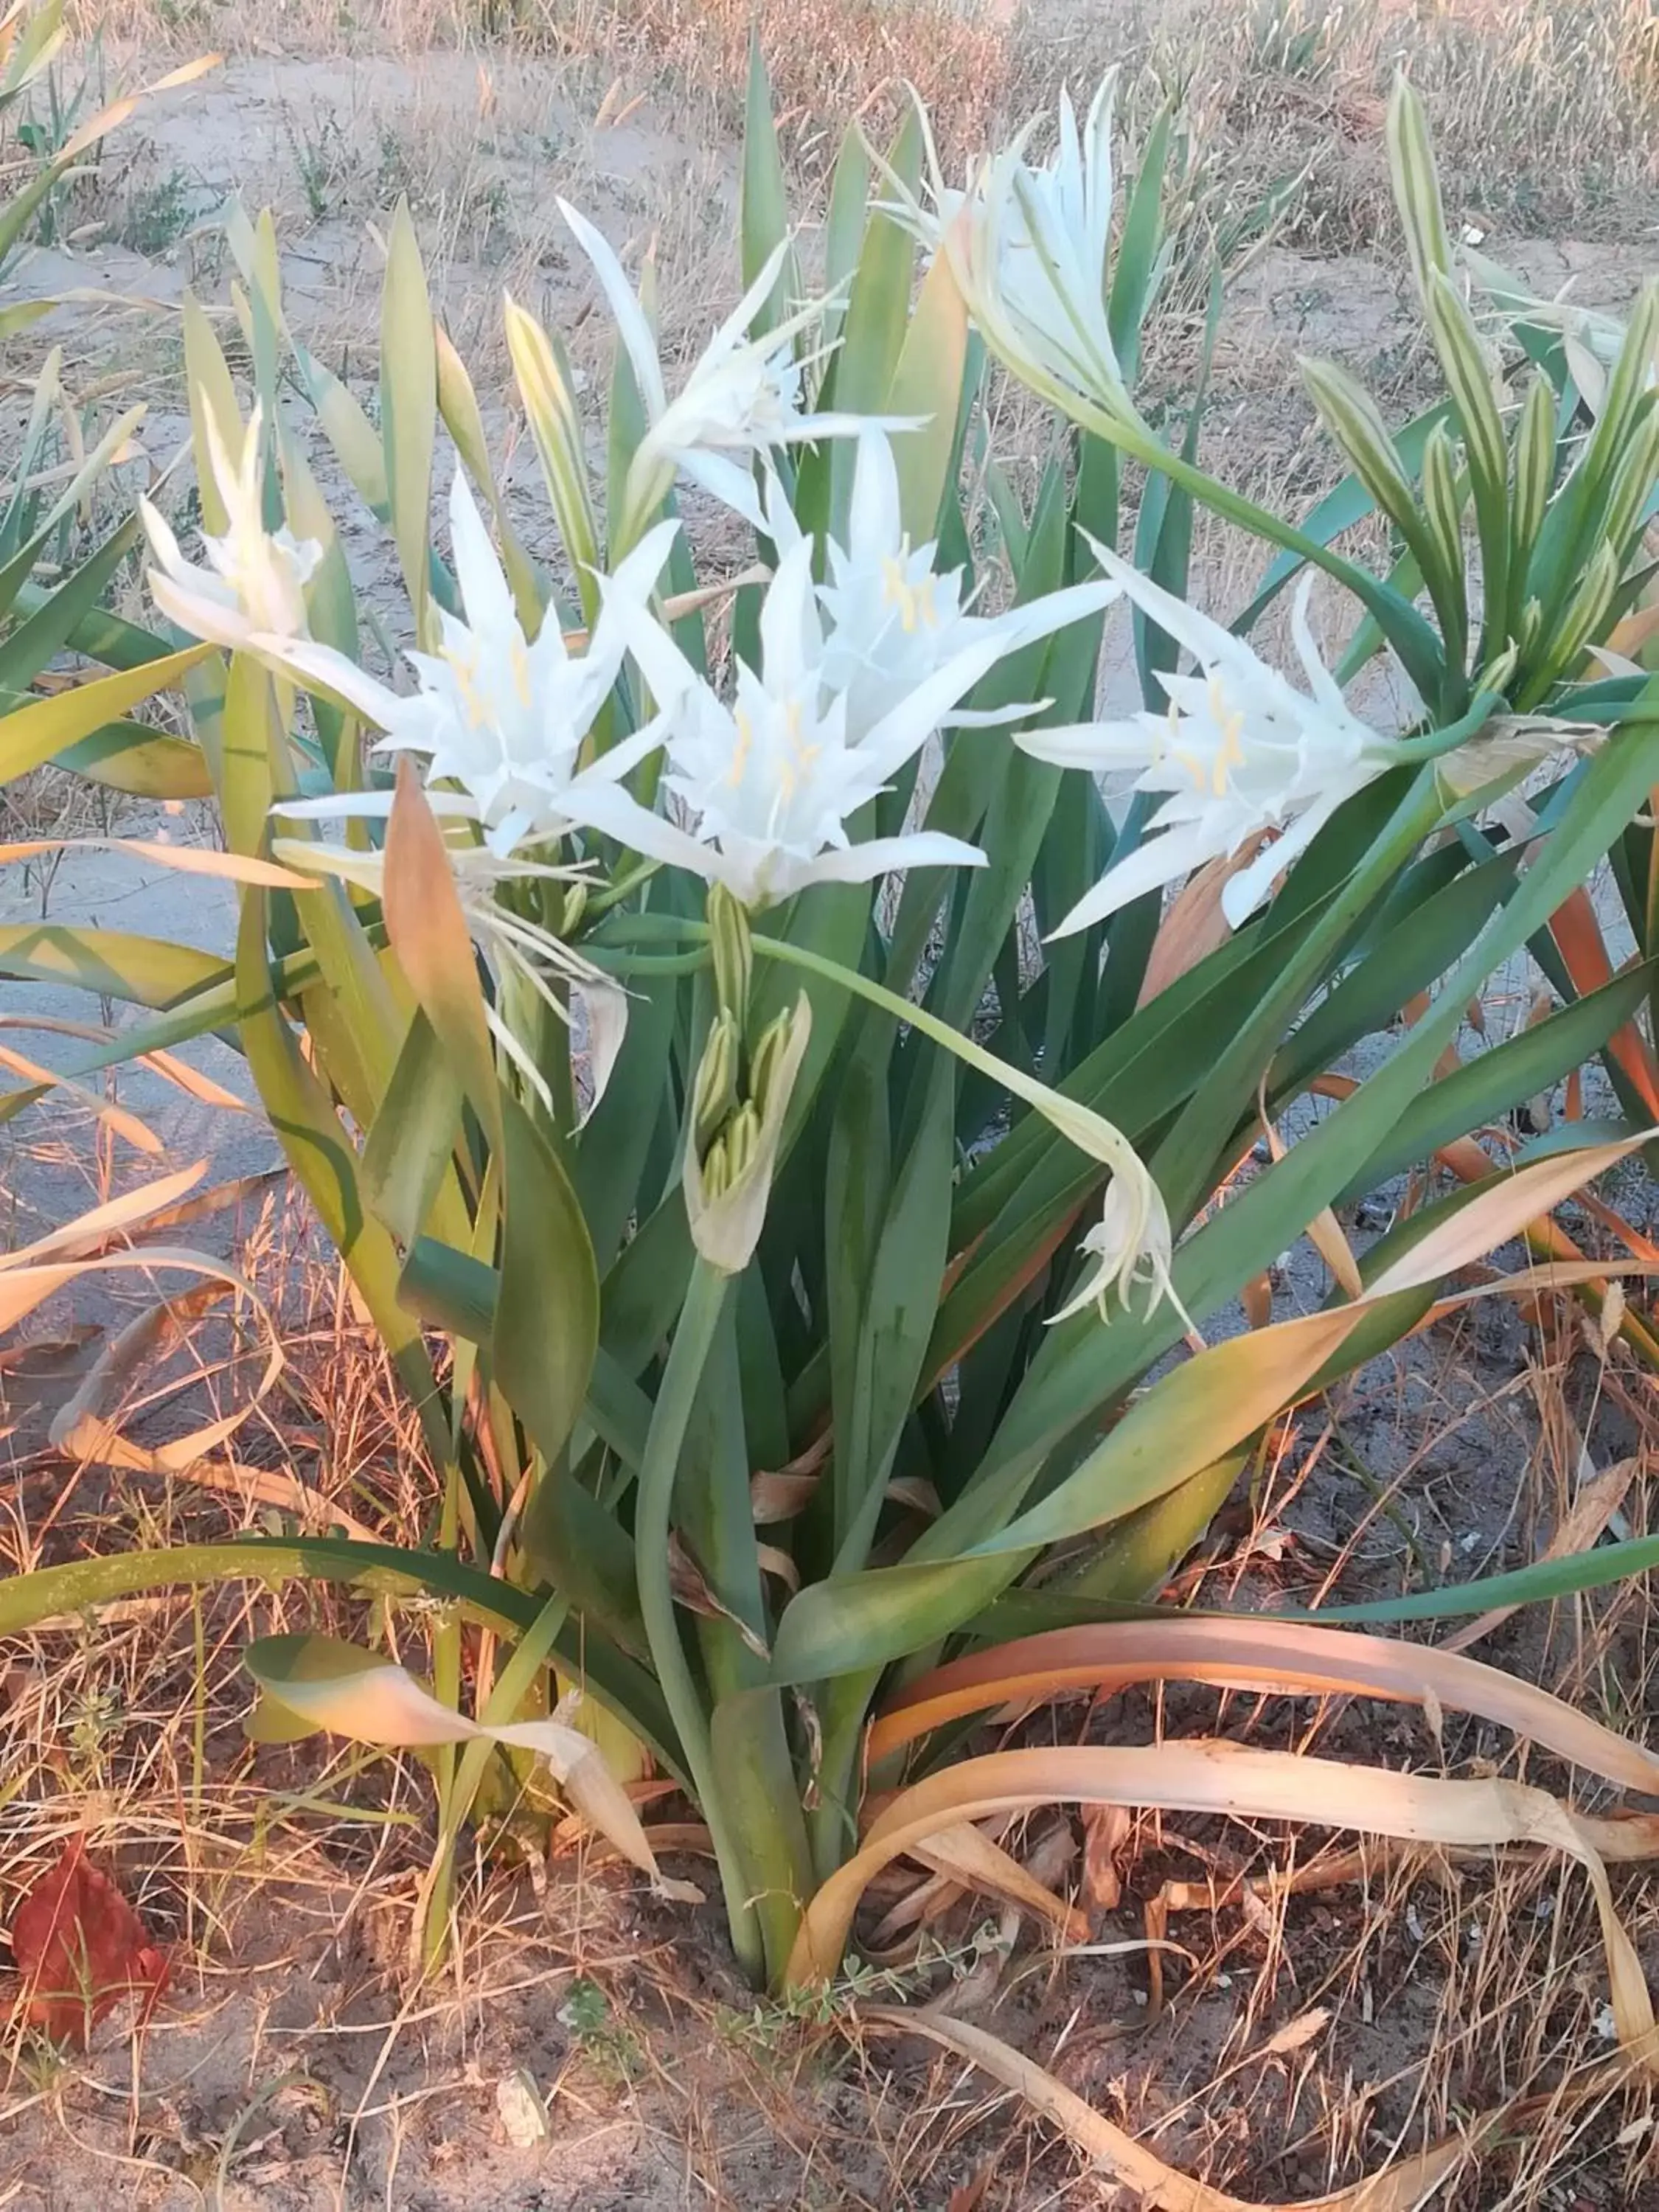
(769, 1048)
(1495, 676)
(575, 906)
(716, 1171)
(715, 1092)
(732, 953)
(742, 1139)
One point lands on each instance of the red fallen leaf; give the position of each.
(80, 1949)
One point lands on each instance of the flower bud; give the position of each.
(742, 1139)
(716, 1171)
(716, 1091)
(575, 906)
(733, 955)
(769, 1050)
(727, 1187)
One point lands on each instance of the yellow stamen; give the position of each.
(1232, 752)
(913, 601)
(465, 673)
(740, 750)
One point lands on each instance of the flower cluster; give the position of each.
(536, 742)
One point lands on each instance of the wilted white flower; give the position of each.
(1130, 1245)
(504, 719)
(741, 398)
(256, 578)
(1029, 247)
(1240, 751)
(537, 957)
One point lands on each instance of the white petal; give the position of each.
(1205, 640)
(631, 585)
(201, 613)
(227, 473)
(880, 856)
(162, 542)
(791, 643)
(1242, 894)
(632, 327)
(1128, 744)
(617, 813)
(320, 668)
(1161, 859)
(1095, 1280)
(811, 427)
(1055, 611)
(1323, 685)
(489, 610)
(874, 521)
(671, 679)
(733, 331)
(907, 727)
(728, 481)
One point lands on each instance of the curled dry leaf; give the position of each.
(1158, 2186)
(324, 1683)
(1241, 1782)
(80, 1949)
(1293, 1658)
(1105, 1837)
(964, 1855)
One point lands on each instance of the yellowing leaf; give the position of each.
(352, 1692)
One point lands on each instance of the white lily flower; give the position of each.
(504, 719)
(1029, 247)
(1240, 751)
(512, 945)
(742, 397)
(771, 781)
(890, 617)
(1130, 1245)
(256, 578)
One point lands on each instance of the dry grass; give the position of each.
(1300, 2032)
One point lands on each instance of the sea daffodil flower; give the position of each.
(771, 781)
(890, 617)
(255, 580)
(1241, 751)
(741, 398)
(1029, 246)
(501, 717)
(1130, 1245)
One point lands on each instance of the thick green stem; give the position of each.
(833, 1824)
(694, 1339)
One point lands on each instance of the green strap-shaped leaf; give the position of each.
(145, 764)
(1486, 1087)
(409, 406)
(141, 971)
(616, 1681)
(32, 734)
(547, 1317)
(762, 198)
